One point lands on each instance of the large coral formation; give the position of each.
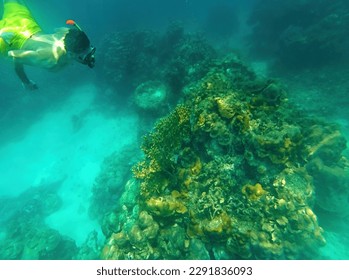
(230, 174)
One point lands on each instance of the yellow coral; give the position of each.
(288, 143)
(151, 231)
(183, 115)
(144, 219)
(218, 224)
(282, 221)
(135, 235)
(253, 192)
(244, 119)
(188, 181)
(226, 106)
(209, 86)
(119, 238)
(201, 120)
(196, 168)
(165, 206)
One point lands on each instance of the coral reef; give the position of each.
(109, 184)
(26, 236)
(231, 173)
(151, 97)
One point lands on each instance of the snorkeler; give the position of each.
(21, 39)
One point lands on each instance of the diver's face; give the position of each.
(87, 57)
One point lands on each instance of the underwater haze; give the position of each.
(206, 130)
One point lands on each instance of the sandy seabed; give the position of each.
(67, 145)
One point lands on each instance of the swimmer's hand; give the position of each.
(30, 85)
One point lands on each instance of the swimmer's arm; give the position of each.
(29, 57)
(27, 84)
(20, 73)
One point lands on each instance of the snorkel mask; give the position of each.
(87, 57)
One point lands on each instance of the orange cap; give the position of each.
(70, 22)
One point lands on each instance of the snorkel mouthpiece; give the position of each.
(89, 58)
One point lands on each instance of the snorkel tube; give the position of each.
(88, 57)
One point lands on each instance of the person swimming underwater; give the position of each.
(22, 39)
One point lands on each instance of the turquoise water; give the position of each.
(67, 149)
